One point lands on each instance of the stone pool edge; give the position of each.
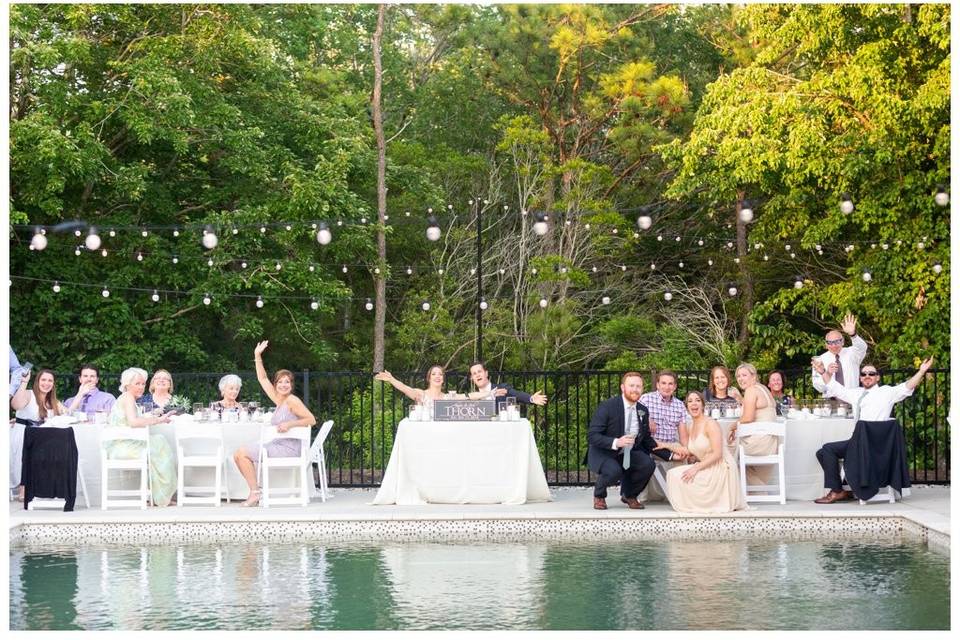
(475, 527)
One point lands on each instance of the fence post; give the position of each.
(306, 388)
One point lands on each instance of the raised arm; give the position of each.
(414, 394)
(262, 376)
(918, 376)
(84, 389)
(22, 397)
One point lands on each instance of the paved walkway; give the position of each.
(928, 506)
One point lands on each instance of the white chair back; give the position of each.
(200, 446)
(318, 456)
(140, 464)
(302, 493)
(778, 429)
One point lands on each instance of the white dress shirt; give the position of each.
(878, 401)
(850, 359)
(627, 408)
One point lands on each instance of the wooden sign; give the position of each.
(464, 410)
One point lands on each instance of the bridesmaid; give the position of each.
(289, 414)
(712, 484)
(434, 390)
(758, 406)
(124, 413)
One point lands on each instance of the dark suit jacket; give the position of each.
(607, 424)
(513, 393)
(876, 457)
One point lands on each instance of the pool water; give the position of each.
(636, 584)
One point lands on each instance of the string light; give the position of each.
(483, 304)
(540, 226)
(314, 305)
(543, 303)
(937, 268)
(243, 265)
(667, 296)
(156, 296)
(93, 240)
(104, 253)
(746, 212)
(867, 275)
(368, 305)
(942, 197)
(323, 234)
(433, 229)
(846, 204)
(732, 290)
(106, 292)
(207, 300)
(209, 239)
(259, 302)
(39, 240)
(605, 300)
(644, 222)
(176, 233)
(113, 233)
(76, 251)
(56, 286)
(176, 259)
(425, 306)
(798, 283)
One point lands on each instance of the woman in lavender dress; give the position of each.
(290, 413)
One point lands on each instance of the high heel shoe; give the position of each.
(252, 500)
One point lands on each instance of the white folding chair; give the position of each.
(318, 456)
(57, 503)
(886, 494)
(661, 480)
(199, 446)
(778, 429)
(300, 494)
(141, 464)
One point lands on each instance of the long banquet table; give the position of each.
(463, 463)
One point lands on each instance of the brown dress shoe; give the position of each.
(835, 496)
(633, 503)
(600, 503)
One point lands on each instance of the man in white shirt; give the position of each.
(841, 362)
(871, 402)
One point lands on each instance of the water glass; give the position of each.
(100, 417)
(197, 408)
(147, 407)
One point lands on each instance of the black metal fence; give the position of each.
(366, 413)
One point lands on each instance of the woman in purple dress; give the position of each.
(290, 413)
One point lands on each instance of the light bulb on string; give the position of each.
(615, 232)
(587, 226)
(156, 296)
(93, 240)
(235, 231)
(667, 296)
(278, 266)
(942, 196)
(483, 304)
(644, 222)
(680, 265)
(653, 266)
(263, 229)
(104, 253)
(540, 226)
(543, 303)
(209, 262)
(207, 300)
(433, 229)
(409, 271)
(867, 275)
(659, 238)
(77, 251)
(339, 222)
(710, 262)
(209, 239)
(243, 265)
(288, 228)
(699, 243)
(323, 234)
(314, 305)
(106, 292)
(921, 245)
(175, 259)
(376, 270)
(937, 268)
(533, 271)
(344, 268)
(368, 305)
(677, 239)
(623, 267)
(176, 233)
(311, 268)
(139, 257)
(746, 212)
(39, 240)
(798, 283)
(56, 286)
(76, 232)
(144, 233)
(605, 300)
(732, 290)
(425, 306)
(473, 272)
(113, 233)
(846, 204)
(259, 302)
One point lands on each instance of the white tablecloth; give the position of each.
(463, 463)
(235, 435)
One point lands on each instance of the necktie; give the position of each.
(839, 374)
(630, 430)
(856, 409)
(83, 405)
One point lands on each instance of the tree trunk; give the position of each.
(745, 277)
(379, 317)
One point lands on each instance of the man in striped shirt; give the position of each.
(667, 424)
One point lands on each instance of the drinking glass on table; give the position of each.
(502, 411)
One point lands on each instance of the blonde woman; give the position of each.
(758, 406)
(712, 484)
(290, 413)
(161, 390)
(124, 413)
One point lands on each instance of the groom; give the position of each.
(621, 444)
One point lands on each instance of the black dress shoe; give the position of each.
(600, 503)
(633, 503)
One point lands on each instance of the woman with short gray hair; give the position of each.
(229, 390)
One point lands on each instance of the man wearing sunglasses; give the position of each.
(841, 362)
(871, 401)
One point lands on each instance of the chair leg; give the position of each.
(180, 480)
(218, 481)
(83, 486)
(104, 476)
(323, 477)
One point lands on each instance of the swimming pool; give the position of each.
(630, 583)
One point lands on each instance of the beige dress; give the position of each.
(715, 489)
(761, 445)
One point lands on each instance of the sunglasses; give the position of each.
(868, 374)
(834, 342)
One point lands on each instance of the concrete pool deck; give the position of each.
(925, 513)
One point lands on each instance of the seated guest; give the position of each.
(89, 398)
(777, 383)
(123, 413)
(434, 390)
(719, 389)
(621, 444)
(33, 407)
(229, 391)
(758, 406)
(488, 390)
(667, 424)
(871, 402)
(161, 390)
(712, 484)
(290, 413)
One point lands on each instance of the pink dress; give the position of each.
(280, 447)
